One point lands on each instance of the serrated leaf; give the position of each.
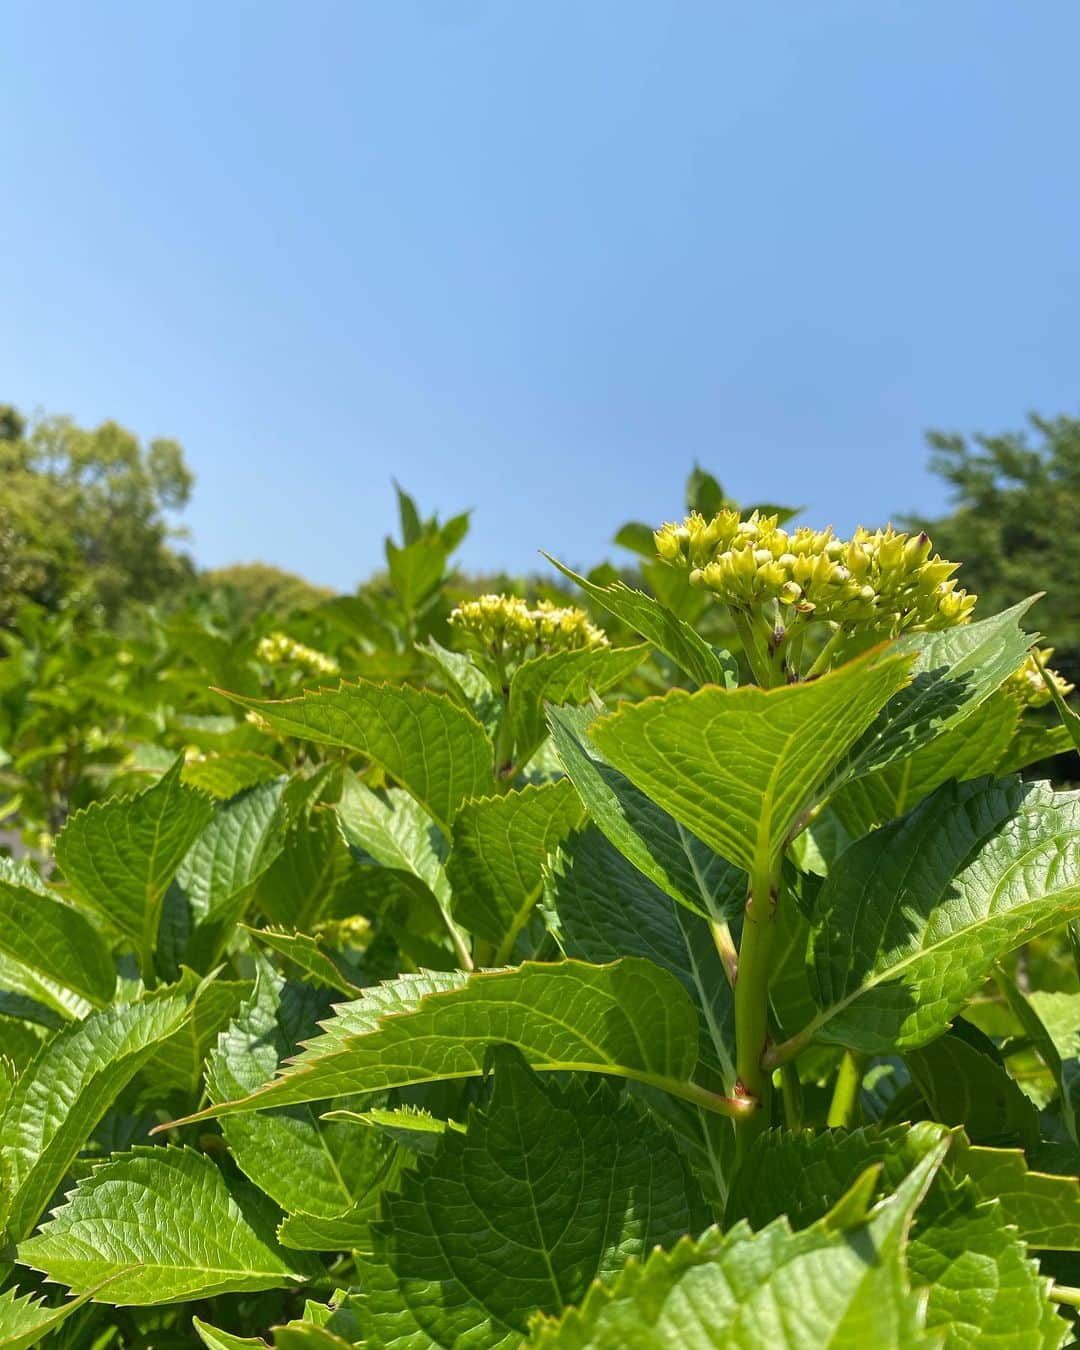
(120, 855)
(962, 1249)
(301, 883)
(409, 1126)
(168, 1226)
(964, 1087)
(972, 749)
(396, 832)
(676, 639)
(318, 963)
(225, 775)
(62, 1095)
(738, 767)
(173, 1075)
(549, 1188)
(658, 846)
(469, 680)
(1043, 1208)
(304, 1164)
(498, 850)
(840, 1283)
(629, 1019)
(435, 749)
(64, 959)
(953, 671)
(25, 1319)
(562, 677)
(911, 919)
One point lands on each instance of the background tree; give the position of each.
(1016, 503)
(265, 588)
(83, 517)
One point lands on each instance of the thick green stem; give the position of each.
(754, 1081)
(845, 1096)
(754, 647)
(791, 1091)
(1064, 1293)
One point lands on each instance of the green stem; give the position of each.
(791, 1091)
(757, 657)
(725, 948)
(484, 953)
(845, 1096)
(753, 1080)
(1064, 1293)
(824, 656)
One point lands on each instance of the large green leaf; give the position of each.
(302, 1163)
(120, 855)
(962, 1250)
(435, 749)
(971, 749)
(738, 767)
(497, 857)
(630, 1019)
(953, 671)
(62, 956)
(172, 1077)
(562, 677)
(657, 845)
(65, 1091)
(396, 832)
(911, 919)
(167, 1227)
(676, 639)
(550, 1188)
(841, 1283)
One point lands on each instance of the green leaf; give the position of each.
(168, 1226)
(1070, 720)
(739, 767)
(606, 908)
(971, 749)
(841, 1283)
(1044, 1209)
(409, 1126)
(982, 1284)
(657, 845)
(396, 832)
(629, 1019)
(562, 677)
(302, 1163)
(953, 671)
(435, 749)
(464, 675)
(173, 1075)
(963, 1248)
(120, 855)
(319, 964)
(62, 957)
(549, 1188)
(911, 919)
(225, 775)
(303, 880)
(965, 1087)
(25, 1319)
(1059, 1014)
(498, 851)
(61, 1096)
(676, 639)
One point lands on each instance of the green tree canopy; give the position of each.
(82, 516)
(266, 588)
(1016, 501)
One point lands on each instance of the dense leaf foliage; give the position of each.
(693, 968)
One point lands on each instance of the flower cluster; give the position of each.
(1027, 685)
(506, 623)
(278, 649)
(882, 580)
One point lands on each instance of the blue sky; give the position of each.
(536, 258)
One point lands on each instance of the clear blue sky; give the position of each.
(535, 258)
